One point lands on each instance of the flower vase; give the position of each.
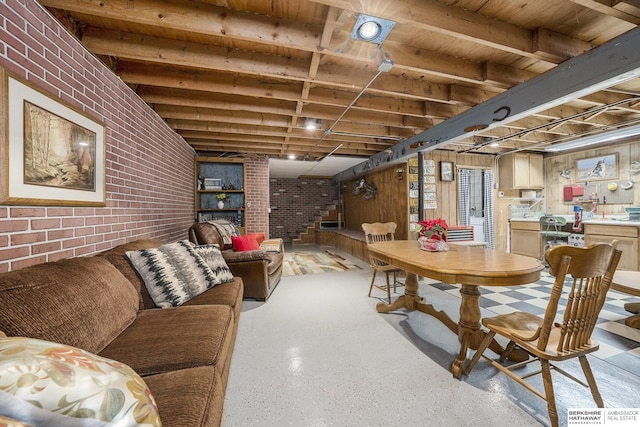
(220, 204)
(433, 244)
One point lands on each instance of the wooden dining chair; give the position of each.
(381, 232)
(545, 339)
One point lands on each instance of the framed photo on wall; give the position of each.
(53, 154)
(597, 168)
(446, 171)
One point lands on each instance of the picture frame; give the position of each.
(53, 154)
(446, 171)
(601, 168)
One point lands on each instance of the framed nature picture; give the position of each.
(597, 168)
(446, 171)
(53, 154)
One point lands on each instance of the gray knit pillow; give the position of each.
(212, 256)
(173, 273)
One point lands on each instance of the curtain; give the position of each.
(487, 195)
(464, 196)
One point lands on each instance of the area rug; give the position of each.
(298, 263)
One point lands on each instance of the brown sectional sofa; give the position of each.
(260, 270)
(100, 304)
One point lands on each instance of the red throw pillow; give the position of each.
(259, 236)
(244, 243)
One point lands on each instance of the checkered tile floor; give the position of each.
(619, 344)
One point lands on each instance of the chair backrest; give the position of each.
(552, 223)
(591, 270)
(379, 231)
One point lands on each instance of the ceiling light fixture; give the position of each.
(312, 124)
(371, 28)
(601, 138)
(292, 156)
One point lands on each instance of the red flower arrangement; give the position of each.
(435, 229)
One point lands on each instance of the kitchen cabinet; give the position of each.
(525, 238)
(215, 177)
(627, 237)
(521, 171)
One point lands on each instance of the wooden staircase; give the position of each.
(309, 235)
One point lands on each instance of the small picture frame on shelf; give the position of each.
(446, 171)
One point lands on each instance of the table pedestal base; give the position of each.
(468, 328)
(633, 321)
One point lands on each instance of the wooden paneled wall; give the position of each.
(554, 183)
(391, 201)
(389, 204)
(447, 191)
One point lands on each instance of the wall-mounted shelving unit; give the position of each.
(215, 176)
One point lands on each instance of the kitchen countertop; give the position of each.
(613, 220)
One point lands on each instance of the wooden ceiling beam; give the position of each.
(178, 97)
(616, 61)
(348, 128)
(133, 48)
(156, 50)
(452, 21)
(302, 147)
(232, 84)
(219, 21)
(250, 118)
(153, 95)
(194, 55)
(200, 18)
(607, 7)
(371, 143)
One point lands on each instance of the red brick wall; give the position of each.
(297, 202)
(149, 168)
(257, 193)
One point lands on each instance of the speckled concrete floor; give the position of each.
(318, 354)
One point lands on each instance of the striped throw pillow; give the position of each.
(173, 273)
(212, 256)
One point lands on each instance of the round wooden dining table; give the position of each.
(467, 266)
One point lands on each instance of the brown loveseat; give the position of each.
(260, 270)
(100, 304)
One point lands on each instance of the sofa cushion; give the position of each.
(64, 385)
(173, 273)
(229, 293)
(175, 338)
(272, 245)
(225, 229)
(117, 256)
(244, 243)
(212, 256)
(83, 302)
(259, 235)
(189, 397)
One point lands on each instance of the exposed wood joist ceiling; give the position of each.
(240, 77)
